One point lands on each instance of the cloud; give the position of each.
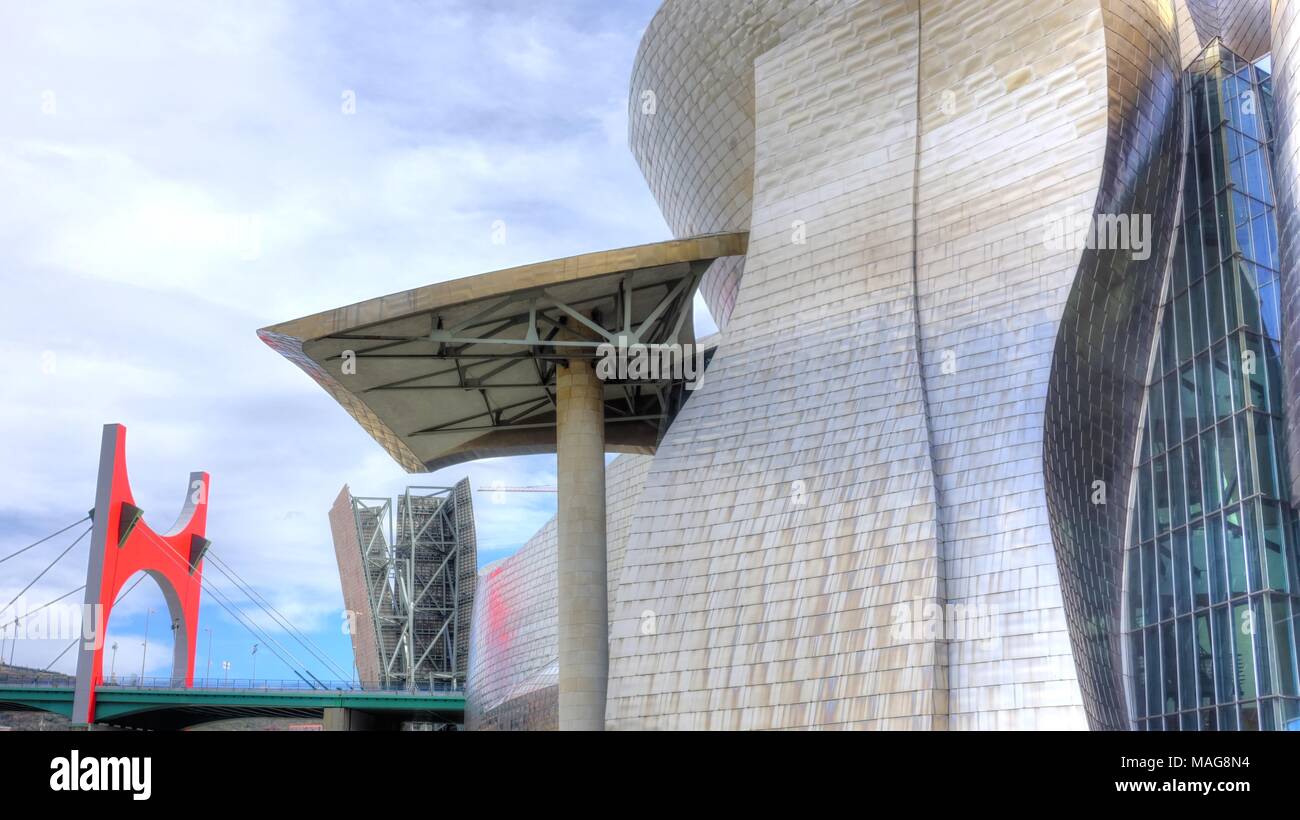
(178, 176)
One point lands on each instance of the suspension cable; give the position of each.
(48, 567)
(272, 643)
(43, 540)
(125, 593)
(266, 606)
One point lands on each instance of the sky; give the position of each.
(178, 174)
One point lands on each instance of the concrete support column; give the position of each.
(343, 719)
(582, 572)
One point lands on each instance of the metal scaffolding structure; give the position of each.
(419, 562)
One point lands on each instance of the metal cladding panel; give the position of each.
(1103, 347)
(1242, 25)
(1286, 153)
(1013, 142)
(467, 575)
(352, 577)
(514, 650)
(691, 115)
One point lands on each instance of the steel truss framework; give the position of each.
(507, 349)
(420, 560)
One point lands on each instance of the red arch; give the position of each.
(122, 544)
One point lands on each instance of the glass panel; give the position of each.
(1200, 565)
(1270, 312)
(1183, 327)
(1264, 452)
(1205, 391)
(1200, 324)
(1218, 562)
(1209, 721)
(1192, 478)
(1145, 503)
(1259, 625)
(1249, 717)
(1160, 471)
(1187, 397)
(1254, 547)
(1229, 490)
(1274, 547)
(1236, 549)
(1173, 417)
(1246, 467)
(1165, 576)
(1284, 643)
(1225, 675)
(1137, 657)
(1210, 479)
(1182, 581)
(1253, 368)
(1223, 405)
(1154, 687)
(1150, 597)
(1204, 660)
(1177, 487)
(1169, 655)
(1214, 300)
(1228, 719)
(1186, 664)
(1243, 637)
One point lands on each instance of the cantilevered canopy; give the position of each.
(466, 369)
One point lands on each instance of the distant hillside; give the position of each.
(32, 721)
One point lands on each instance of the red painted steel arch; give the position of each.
(123, 544)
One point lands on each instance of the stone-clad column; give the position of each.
(582, 573)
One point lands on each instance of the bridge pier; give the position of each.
(343, 719)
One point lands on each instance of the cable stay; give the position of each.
(48, 567)
(220, 596)
(68, 648)
(43, 540)
(266, 606)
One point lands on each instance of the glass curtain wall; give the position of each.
(1211, 571)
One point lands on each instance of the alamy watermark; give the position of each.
(656, 362)
(1112, 232)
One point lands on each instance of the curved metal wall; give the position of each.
(872, 431)
(691, 115)
(1286, 175)
(1243, 25)
(1103, 349)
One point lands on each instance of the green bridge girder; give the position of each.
(179, 708)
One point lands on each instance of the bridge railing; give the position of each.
(41, 679)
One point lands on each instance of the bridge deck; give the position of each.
(176, 708)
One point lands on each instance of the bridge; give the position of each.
(124, 546)
(161, 704)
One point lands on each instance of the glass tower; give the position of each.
(1211, 574)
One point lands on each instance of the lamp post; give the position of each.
(112, 663)
(146, 645)
(254, 654)
(225, 668)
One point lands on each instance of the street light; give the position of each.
(225, 667)
(146, 645)
(254, 653)
(112, 664)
